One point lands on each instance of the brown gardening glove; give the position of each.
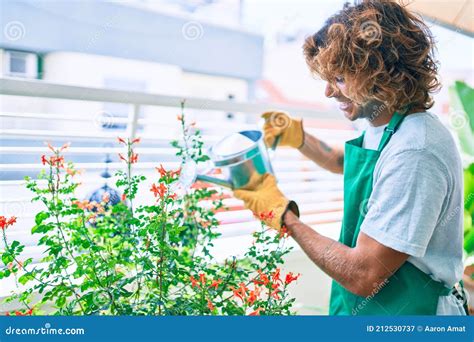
(290, 130)
(267, 202)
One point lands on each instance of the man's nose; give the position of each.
(329, 91)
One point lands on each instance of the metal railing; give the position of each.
(318, 192)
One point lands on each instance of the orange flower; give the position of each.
(215, 283)
(241, 292)
(161, 170)
(256, 312)
(26, 313)
(284, 232)
(134, 158)
(158, 190)
(276, 275)
(263, 216)
(202, 278)
(57, 161)
(290, 278)
(210, 306)
(5, 223)
(264, 280)
(194, 282)
(50, 147)
(253, 296)
(124, 197)
(179, 117)
(84, 205)
(176, 173)
(65, 146)
(276, 291)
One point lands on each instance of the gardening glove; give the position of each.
(290, 130)
(267, 202)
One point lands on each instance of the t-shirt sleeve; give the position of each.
(406, 201)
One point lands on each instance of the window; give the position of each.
(21, 64)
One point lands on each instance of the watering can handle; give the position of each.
(276, 142)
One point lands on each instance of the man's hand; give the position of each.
(290, 130)
(267, 202)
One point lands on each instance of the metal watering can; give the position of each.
(241, 170)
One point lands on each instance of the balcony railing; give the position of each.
(68, 113)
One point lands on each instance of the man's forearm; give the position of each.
(337, 260)
(327, 157)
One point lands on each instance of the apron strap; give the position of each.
(391, 128)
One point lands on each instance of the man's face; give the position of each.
(351, 110)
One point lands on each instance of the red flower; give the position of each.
(210, 306)
(256, 312)
(26, 313)
(5, 223)
(124, 197)
(121, 140)
(264, 280)
(284, 232)
(276, 275)
(202, 278)
(176, 173)
(158, 190)
(194, 282)
(215, 283)
(65, 146)
(161, 170)
(241, 292)
(133, 158)
(57, 161)
(253, 296)
(276, 291)
(290, 278)
(44, 160)
(50, 146)
(263, 216)
(173, 197)
(136, 141)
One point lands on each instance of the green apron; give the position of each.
(409, 291)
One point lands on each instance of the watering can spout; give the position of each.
(214, 180)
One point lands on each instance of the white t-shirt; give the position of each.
(415, 203)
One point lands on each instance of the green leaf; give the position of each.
(25, 278)
(41, 216)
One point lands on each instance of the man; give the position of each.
(401, 237)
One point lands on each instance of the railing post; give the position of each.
(133, 121)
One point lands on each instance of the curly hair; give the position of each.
(381, 50)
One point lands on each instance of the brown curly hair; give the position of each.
(382, 52)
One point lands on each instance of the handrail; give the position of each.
(38, 88)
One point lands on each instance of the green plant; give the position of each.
(128, 259)
(462, 120)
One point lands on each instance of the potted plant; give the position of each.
(140, 259)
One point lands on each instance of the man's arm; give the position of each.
(360, 269)
(330, 158)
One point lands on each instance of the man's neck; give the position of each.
(379, 115)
